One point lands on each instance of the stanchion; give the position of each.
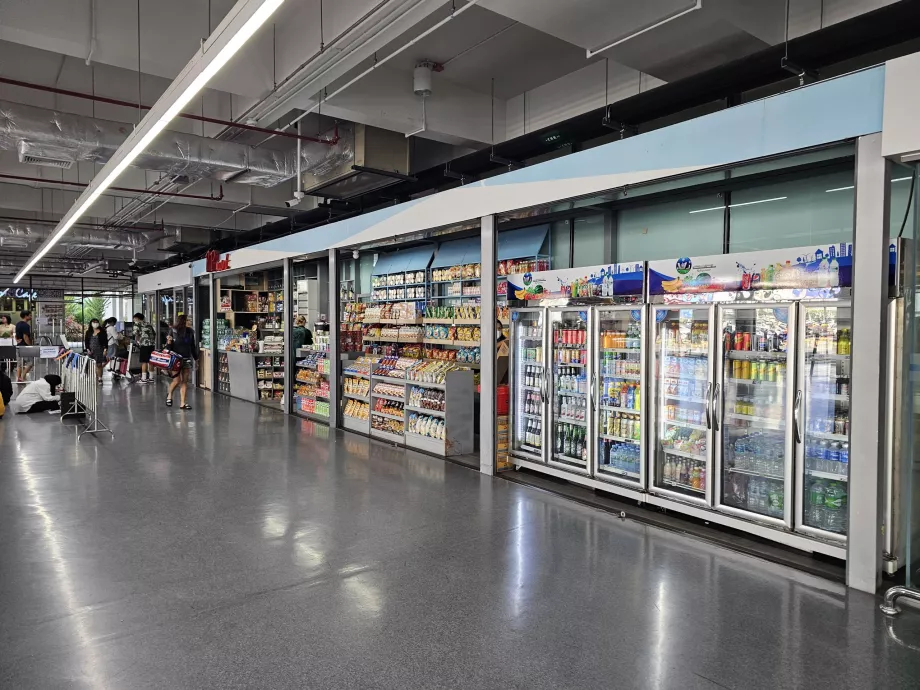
(78, 376)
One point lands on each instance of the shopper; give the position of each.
(24, 339)
(112, 337)
(95, 343)
(7, 330)
(501, 340)
(144, 338)
(301, 335)
(181, 340)
(39, 396)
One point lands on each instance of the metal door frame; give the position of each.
(550, 350)
(512, 372)
(799, 524)
(719, 413)
(643, 405)
(653, 419)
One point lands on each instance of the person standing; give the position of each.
(181, 340)
(112, 336)
(301, 336)
(39, 396)
(95, 344)
(24, 339)
(144, 338)
(6, 390)
(7, 330)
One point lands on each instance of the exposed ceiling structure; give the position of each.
(75, 76)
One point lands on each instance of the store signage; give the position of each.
(612, 280)
(46, 294)
(214, 264)
(810, 271)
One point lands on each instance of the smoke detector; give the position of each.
(421, 77)
(46, 155)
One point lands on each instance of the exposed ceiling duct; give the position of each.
(50, 137)
(20, 235)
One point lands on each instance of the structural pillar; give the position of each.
(287, 315)
(488, 351)
(333, 318)
(867, 378)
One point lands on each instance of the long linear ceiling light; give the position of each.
(744, 203)
(237, 27)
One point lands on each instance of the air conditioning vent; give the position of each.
(47, 156)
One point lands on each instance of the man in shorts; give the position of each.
(144, 338)
(24, 338)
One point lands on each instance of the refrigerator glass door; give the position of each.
(571, 441)
(618, 395)
(825, 417)
(754, 412)
(681, 408)
(528, 381)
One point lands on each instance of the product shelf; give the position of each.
(828, 437)
(685, 425)
(566, 458)
(827, 475)
(621, 377)
(383, 396)
(400, 418)
(754, 473)
(387, 436)
(617, 470)
(569, 420)
(362, 398)
(755, 354)
(622, 350)
(687, 487)
(423, 384)
(684, 398)
(683, 454)
(623, 439)
(623, 410)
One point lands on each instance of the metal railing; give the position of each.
(78, 374)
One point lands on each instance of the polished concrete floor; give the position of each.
(231, 547)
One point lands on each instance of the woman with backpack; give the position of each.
(181, 340)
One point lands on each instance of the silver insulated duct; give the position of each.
(52, 138)
(22, 235)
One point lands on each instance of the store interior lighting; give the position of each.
(155, 121)
(745, 203)
(843, 189)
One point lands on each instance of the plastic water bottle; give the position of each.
(816, 494)
(835, 506)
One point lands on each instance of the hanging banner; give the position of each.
(811, 269)
(612, 280)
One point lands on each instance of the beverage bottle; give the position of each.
(835, 498)
(816, 494)
(631, 397)
(566, 439)
(636, 401)
(584, 446)
(637, 430)
(844, 466)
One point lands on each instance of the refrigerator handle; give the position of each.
(717, 407)
(543, 386)
(796, 411)
(709, 406)
(593, 389)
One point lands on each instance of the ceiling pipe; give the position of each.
(45, 180)
(103, 226)
(189, 116)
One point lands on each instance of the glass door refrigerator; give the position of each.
(570, 445)
(617, 395)
(528, 384)
(822, 417)
(681, 413)
(753, 402)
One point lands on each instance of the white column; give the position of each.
(334, 317)
(287, 321)
(487, 331)
(867, 378)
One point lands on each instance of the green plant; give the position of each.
(88, 309)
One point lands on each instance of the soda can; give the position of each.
(746, 369)
(771, 371)
(737, 369)
(839, 425)
(746, 341)
(739, 340)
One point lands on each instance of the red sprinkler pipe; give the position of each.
(190, 116)
(120, 189)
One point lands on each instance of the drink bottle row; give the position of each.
(532, 403)
(686, 472)
(756, 495)
(571, 407)
(824, 341)
(619, 456)
(533, 433)
(680, 338)
(618, 394)
(758, 370)
(571, 379)
(533, 376)
(571, 441)
(689, 367)
(826, 506)
(756, 341)
(613, 364)
(570, 336)
(759, 452)
(827, 456)
(617, 424)
(827, 421)
(630, 339)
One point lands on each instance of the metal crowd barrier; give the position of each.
(78, 376)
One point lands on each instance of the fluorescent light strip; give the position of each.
(843, 189)
(245, 32)
(746, 203)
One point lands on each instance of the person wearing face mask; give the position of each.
(95, 344)
(144, 338)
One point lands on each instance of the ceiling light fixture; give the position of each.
(746, 203)
(237, 27)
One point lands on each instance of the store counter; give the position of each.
(243, 374)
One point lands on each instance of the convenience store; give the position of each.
(728, 183)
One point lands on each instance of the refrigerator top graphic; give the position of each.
(604, 281)
(814, 271)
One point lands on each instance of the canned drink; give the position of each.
(746, 341)
(771, 371)
(737, 369)
(843, 388)
(761, 342)
(839, 425)
(746, 369)
(739, 340)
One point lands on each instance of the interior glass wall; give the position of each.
(310, 336)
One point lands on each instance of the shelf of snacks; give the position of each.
(399, 279)
(356, 388)
(353, 312)
(464, 272)
(356, 415)
(464, 356)
(272, 344)
(393, 334)
(400, 313)
(451, 315)
(351, 337)
(223, 373)
(461, 336)
(314, 360)
(440, 420)
(361, 367)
